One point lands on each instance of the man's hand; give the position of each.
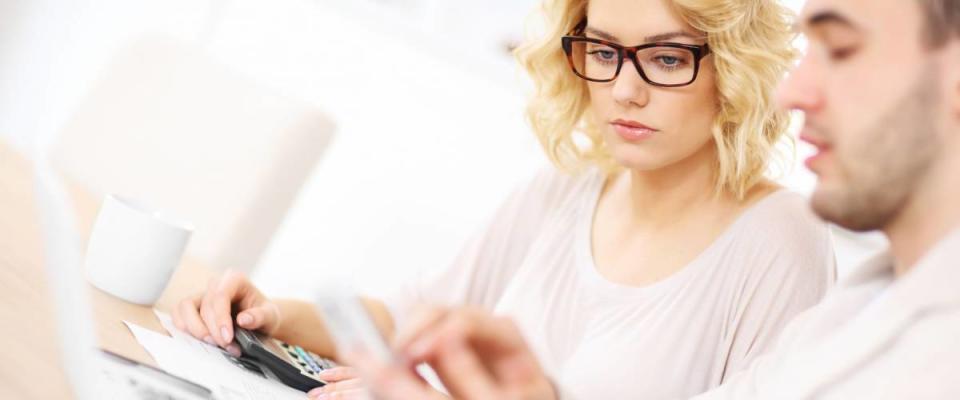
(476, 356)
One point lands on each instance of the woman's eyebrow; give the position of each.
(649, 39)
(672, 35)
(601, 34)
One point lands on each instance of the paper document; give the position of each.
(182, 355)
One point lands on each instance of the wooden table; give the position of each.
(29, 359)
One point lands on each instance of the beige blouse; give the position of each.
(602, 340)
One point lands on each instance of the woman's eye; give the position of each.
(667, 60)
(604, 54)
(670, 61)
(608, 57)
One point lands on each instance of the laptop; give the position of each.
(92, 373)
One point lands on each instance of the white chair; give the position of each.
(174, 129)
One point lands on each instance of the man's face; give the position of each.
(871, 91)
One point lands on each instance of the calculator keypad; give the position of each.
(308, 362)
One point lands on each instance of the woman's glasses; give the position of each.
(661, 64)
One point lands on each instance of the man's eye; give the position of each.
(842, 53)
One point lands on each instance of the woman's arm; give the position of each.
(209, 316)
(301, 323)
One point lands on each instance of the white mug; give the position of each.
(133, 251)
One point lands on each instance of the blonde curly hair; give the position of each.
(751, 42)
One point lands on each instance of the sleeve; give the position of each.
(753, 383)
(485, 265)
(791, 266)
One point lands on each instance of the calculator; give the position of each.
(290, 364)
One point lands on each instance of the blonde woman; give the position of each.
(661, 260)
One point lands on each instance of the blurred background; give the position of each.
(309, 140)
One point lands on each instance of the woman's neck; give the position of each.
(661, 197)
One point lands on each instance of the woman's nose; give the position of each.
(630, 88)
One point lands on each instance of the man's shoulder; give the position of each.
(921, 363)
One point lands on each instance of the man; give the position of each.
(880, 88)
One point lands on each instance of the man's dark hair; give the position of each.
(942, 20)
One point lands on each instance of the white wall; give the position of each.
(52, 51)
(430, 137)
(427, 146)
(431, 132)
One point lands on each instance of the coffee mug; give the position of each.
(133, 250)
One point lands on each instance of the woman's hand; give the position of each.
(342, 383)
(208, 316)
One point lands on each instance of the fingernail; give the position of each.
(315, 392)
(225, 334)
(209, 340)
(234, 350)
(244, 319)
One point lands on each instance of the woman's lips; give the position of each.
(632, 131)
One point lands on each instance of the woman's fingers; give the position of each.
(232, 287)
(209, 316)
(189, 315)
(263, 318)
(330, 388)
(215, 308)
(350, 394)
(177, 319)
(338, 374)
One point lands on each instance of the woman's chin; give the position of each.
(633, 160)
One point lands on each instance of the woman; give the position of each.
(666, 261)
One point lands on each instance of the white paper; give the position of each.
(423, 370)
(182, 355)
